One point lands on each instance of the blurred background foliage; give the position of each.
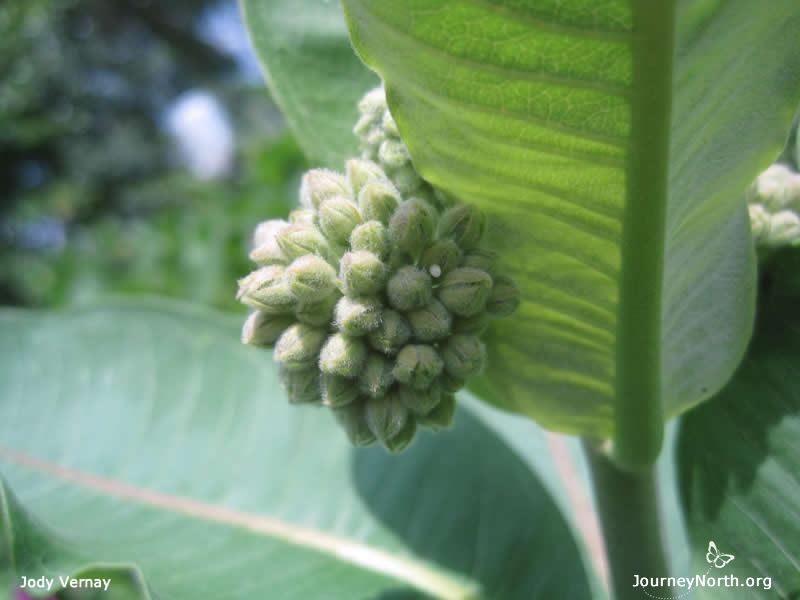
(139, 150)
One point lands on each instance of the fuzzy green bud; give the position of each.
(265, 289)
(373, 103)
(407, 180)
(301, 385)
(298, 240)
(480, 258)
(464, 223)
(475, 325)
(388, 124)
(417, 365)
(351, 418)
(378, 200)
(263, 329)
(385, 416)
(361, 273)
(358, 316)
(303, 217)
(361, 172)
(342, 355)
(266, 231)
(464, 356)
(412, 226)
(409, 289)
(431, 322)
(372, 237)
(440, 417)
(376, 378)
(392, 333)
(505, 297)
(310, 278)
(338, 216)
(299, 345)
(338, 391)
(441, 257)
(401, 441)
(393, 154)
(317, 313)
(420, 402)
(465, 291)
(451, 384)
(318, 185)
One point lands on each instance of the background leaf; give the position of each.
(739, 463)
(312, 72)
(148, 435)
(527, 109)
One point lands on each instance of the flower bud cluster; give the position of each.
(774, 206)
(374, 299)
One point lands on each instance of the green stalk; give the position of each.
(630, 519)
(639, 419)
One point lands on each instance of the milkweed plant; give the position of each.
(531, 330)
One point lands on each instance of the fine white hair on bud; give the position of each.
(375, 292)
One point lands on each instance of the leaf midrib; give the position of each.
(406, 570)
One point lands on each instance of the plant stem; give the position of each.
(629, 513)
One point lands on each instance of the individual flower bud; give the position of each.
(431, 322)
(451, 384)
(373, 103)
(441, 257)
(358, 316)
(318, 185)
(407, 180)
(263, 329)
(376, 378)
(464, 223)
(317, 314)
(465, 291)
(299, 345)
(784, 229)
(412, 226)
(338, 391)
(361, 172)
(342, 355)
(417, 365)
(351, 418)
(401, 441)
(268, 253)
(338, 216)
(301, 385)
(303, 217)
(776, 189)
(409, 289)
(362, 273)
(393, 154)
(298, 240)
(267, 230)
(378, 200)
(372, 237)
(440, 417)
(759, 222)
(265, 289)
(392, 333)
(385, 416)
(505, 297)
(310, 278)
(480, 258)
(464, 356)
(420, 402)
(474, 325)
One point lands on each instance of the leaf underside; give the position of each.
(525, 108)
(148, 436)
(738, 456)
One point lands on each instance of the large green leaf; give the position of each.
(312, 72)
(611, 154)
(148, 436)
(739, 458)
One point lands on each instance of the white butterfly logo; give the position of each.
(715, 557)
